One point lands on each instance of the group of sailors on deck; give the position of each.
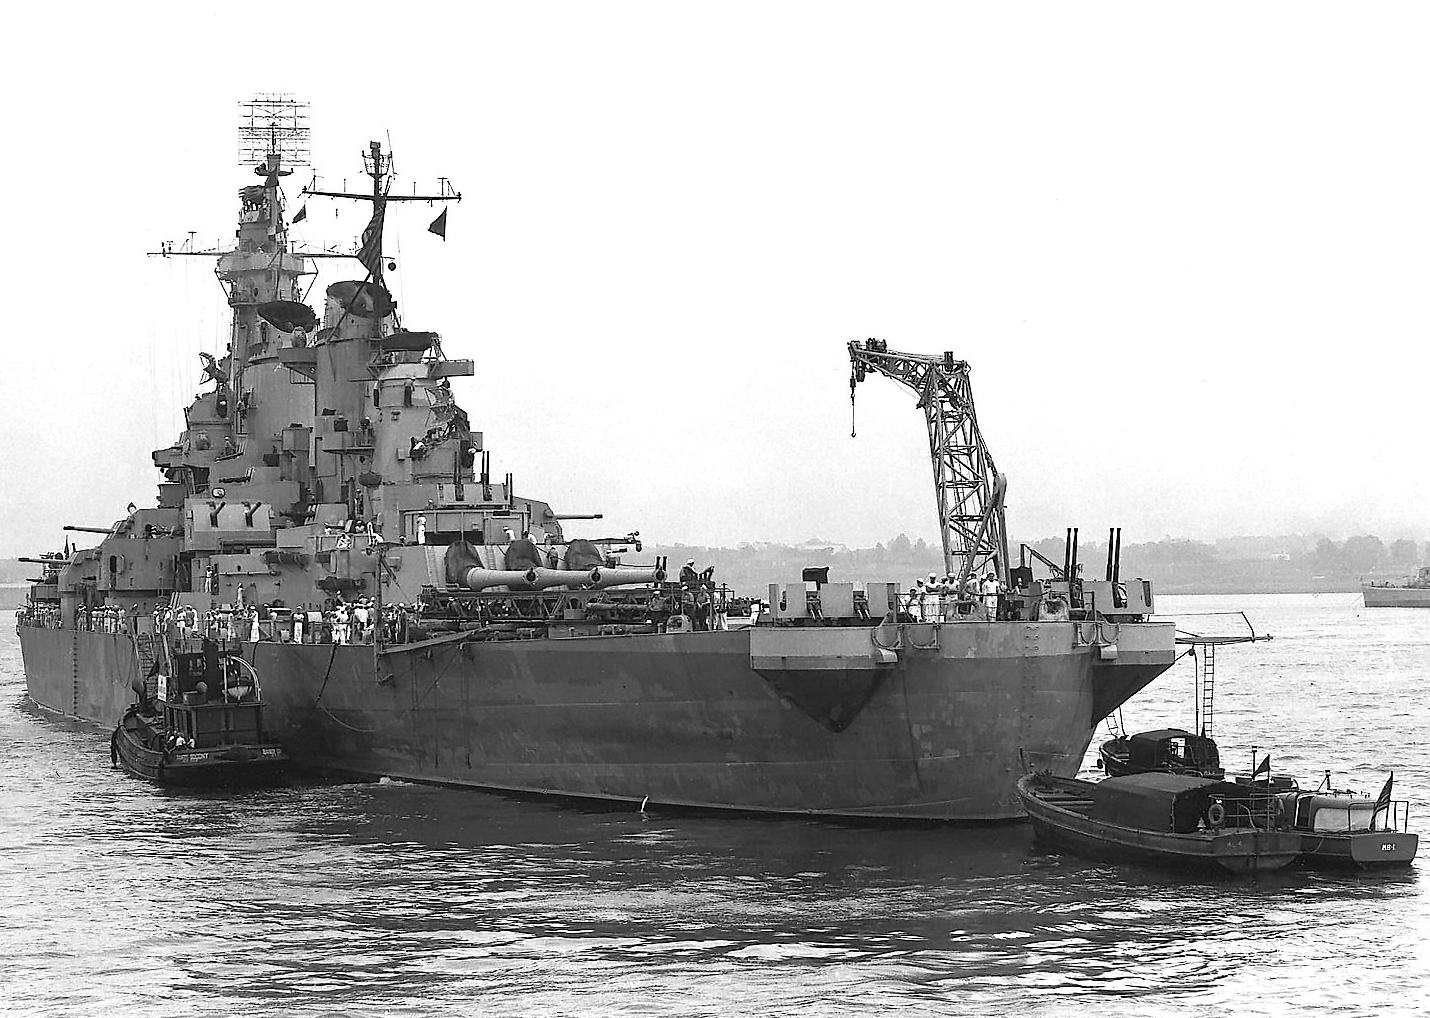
(699, 600)
(940, 599)
(357, 622)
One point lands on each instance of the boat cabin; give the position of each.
(1173, 750)
(1334, 813)
(1174, 803)
(212, 697)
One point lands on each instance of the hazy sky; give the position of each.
(1184, 249)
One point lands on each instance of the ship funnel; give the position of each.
(288, 315)
(361, 300)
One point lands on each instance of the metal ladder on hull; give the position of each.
(1207, 690)
(74, 667)
(144, 656)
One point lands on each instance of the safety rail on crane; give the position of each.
(968, 487)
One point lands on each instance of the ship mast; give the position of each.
(378, 166)
(273, 135)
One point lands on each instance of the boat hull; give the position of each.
(1362, 849)
(219, 767)
(1236, 850)
(708, 719)
(1396, 597)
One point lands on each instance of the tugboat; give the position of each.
(1174, 819)
(204, 725)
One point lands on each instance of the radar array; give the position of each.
(274, 122)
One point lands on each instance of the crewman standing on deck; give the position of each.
(990, 593)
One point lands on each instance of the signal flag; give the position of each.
(439, 225)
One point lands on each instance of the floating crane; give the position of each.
(968, 487)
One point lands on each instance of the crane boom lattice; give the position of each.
(968, 487)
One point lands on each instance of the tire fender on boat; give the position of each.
(1216, 814)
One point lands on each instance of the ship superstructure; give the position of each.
(330, 507)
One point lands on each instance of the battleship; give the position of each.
(330, 509)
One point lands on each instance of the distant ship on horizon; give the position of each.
(1414, 592)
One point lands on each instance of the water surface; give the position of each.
(398, 899)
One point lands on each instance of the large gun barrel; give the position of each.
(538, 578)
(561, 578)
(481, 579)
(88, 530)
(621, 575)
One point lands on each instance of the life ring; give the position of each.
(1216, 814)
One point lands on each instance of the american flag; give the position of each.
(370, 254)
(1382, 801)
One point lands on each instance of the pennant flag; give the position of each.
(370, 254)
(302, 215)
(1263, 769)
(439, 225)
(67, 547)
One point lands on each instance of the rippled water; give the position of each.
(116, 896)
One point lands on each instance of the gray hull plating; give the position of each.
(686, 720)
(681, 719)
(1395, 597)
(78, 673)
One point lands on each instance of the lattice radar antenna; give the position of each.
(274, 122)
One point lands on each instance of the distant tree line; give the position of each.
(1175, 565)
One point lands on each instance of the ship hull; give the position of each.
(79, 673)
(942, 733)
(1396, 597)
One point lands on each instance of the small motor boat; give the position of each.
(1172, 819)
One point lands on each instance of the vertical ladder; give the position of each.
(1208, 689)
(74, 665)
(144, 655)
